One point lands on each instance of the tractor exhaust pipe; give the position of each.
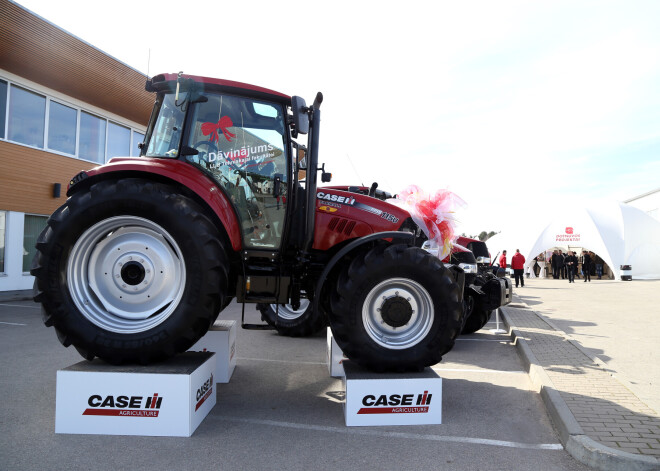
(312, 171)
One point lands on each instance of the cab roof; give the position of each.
(167, 82)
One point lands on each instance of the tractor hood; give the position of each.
(343, 215)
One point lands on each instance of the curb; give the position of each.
(573, 438)
(17, 295)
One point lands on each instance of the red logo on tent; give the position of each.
(569, 230)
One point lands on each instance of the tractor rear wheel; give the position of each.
(396, 308)
(130, 271)
(290, 322)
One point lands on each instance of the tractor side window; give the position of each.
(241, 142)
(166, 134)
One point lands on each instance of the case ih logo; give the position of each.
(124, 406)
(204, 392)
(396, 404)
(569, 230)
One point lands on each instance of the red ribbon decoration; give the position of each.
(212, 129)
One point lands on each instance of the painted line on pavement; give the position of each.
(11, 323)
(412, 436)
(507, 339)
(283, 361)
(18, 305)
(476, 370)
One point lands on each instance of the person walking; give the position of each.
(586, 266)
(571, 262)
(518, 265)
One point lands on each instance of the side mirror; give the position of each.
(300, 116)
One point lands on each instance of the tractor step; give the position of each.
(253, 326)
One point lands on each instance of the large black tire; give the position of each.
(396, 308)
(477, 320)
(130, 271)
(289, 322)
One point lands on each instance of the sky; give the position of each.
(523, 109)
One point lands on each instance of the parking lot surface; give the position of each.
(282, 410)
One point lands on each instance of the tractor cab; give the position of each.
(240, 141)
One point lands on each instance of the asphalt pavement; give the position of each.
(282, 410)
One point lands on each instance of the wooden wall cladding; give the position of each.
(43, 53)
(28, 176)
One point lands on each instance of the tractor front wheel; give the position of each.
(396, 308)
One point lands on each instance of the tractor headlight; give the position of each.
(469, 267)
(483, 259)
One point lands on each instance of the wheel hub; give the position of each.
(396, 311)
(133, 273)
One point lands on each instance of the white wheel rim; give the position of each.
(378, 319)
(287, 312)
(126, 274)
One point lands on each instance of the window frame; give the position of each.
(23, 238)
(3, 268)
(79, 110)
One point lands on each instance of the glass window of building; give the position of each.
(3, 225)
(119, 141)
(27, 116)
(33, 225)
(3, 107)
(138, 138)
(92, 138)
(62, 124)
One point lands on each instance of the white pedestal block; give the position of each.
(165, 399)
(391, 398)
(334, 357)
(220, 339)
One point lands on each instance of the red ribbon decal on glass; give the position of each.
(212, 129)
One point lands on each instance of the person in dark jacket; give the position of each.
(599, 265)
(571, 262)
(554, 261)
(586, 266)
(562, 265)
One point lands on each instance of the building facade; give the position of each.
(65, 106)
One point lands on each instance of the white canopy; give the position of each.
(619, 233)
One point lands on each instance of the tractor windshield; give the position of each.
(165, 136)
(242, 143)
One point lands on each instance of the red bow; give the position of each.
(212, 129)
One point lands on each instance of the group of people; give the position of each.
(566, 265)
(563, 265)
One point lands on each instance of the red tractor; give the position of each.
(146, 252)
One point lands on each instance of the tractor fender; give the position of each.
(348, 248)
(177, 171)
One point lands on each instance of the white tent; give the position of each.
(620, 234)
